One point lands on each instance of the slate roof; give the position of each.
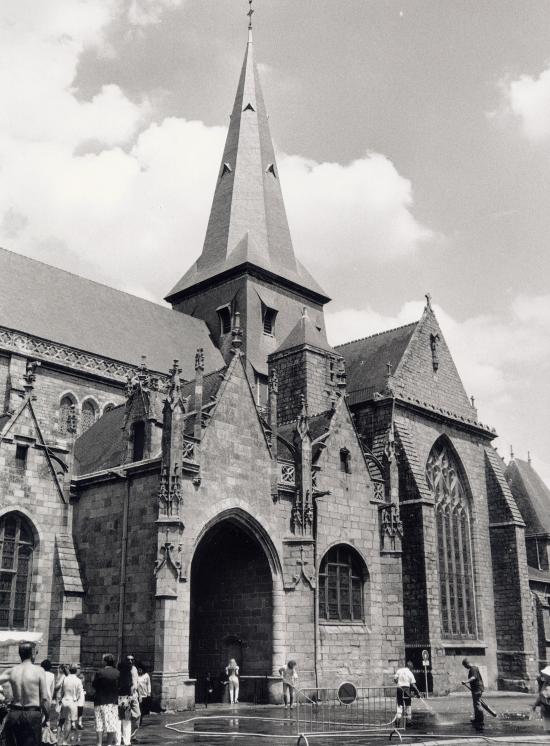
(531, 494)
(50, 303)
(305, 333)
(497, 468)
(366, 360)
(102, 445)
(248, 223)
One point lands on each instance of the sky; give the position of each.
(413, 142)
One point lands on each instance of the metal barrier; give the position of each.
(346, 711)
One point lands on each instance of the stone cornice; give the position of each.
(66, 357)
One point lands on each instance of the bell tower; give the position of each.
(247, 264)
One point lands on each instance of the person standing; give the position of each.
(543, 701)
(144, 692)
(475, 683)
(232, 673)
(82, 699)
(31, 700)
(289, 676)
(105, 686)
(405, 681)
(127, 701)
(71, 693)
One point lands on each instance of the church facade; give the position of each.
(214, 480)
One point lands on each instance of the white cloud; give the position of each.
(503, 360)
(528, 98)
(346, 215)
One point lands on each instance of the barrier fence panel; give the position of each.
(347, 710)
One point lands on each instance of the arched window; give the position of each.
(108, 407)
(454, 544)
(341, 586)
(138, 440)
(64, 412)
(16, 548)
(89, 414)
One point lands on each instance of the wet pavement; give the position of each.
(440, 719)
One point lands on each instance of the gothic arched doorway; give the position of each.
(231, 605)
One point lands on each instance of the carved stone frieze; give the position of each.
(61, 354)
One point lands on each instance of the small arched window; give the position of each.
(16, 551)
(64, 411)
(138, 440)
(454, 544)
(341, 586)
(108, 407)
(89, 414)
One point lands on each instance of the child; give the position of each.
(232, 672)
(289, 676)
(543, 701)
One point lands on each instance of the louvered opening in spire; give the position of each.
(248, 223)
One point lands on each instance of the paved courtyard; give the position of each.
(447, 721)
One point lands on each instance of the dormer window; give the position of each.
(224, 315)
(268, 320)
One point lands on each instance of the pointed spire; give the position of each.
(248, 223)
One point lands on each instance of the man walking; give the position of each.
(31, 700)
(475, 683)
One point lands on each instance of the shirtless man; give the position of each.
(30, 701)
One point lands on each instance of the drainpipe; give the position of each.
(123, 554)
(315, 599)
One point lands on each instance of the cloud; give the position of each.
(503, 360)
(528, 99)
(348, 215)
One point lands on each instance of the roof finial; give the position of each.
(428, 301)
(529, 457)
(250, 13)
(511, 453)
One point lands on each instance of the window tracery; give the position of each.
(341, 586)
(89, 415)
(16, 553)
(64, 413)
(454, 545)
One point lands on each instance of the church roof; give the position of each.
(50, 303)
(102, 446)
(248, 226)
(305, 333)
(367, 360)
(531, 494)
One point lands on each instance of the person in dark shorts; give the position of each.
(31, 700)
(475, 682)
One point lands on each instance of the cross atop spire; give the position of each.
(250, 13)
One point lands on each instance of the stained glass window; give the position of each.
(454, 545)
(341, 586)
(16, 550)
(89, 415)
(64, 412)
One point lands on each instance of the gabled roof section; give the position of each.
(422, 368)
(248, 223)
(502, 506)
(44, 301)
(102, 446)
(367, 360)
(531, 494)
(305, 333)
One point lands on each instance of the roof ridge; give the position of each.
(376, 334)
(93, 282)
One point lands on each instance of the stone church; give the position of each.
(215, 480)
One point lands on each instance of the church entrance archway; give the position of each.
(231, 607)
